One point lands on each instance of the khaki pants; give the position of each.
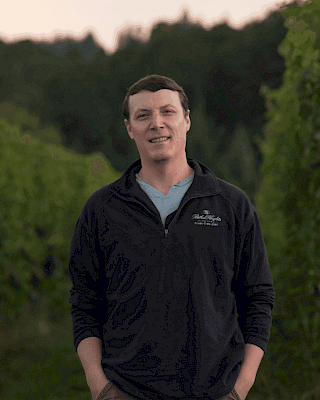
(111, 392)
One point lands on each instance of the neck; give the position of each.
(163, 175)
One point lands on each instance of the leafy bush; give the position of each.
(43, 189)
(288, 204)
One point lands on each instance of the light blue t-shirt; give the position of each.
(168, 203)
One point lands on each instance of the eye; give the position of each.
(168, 111)
(142, 116)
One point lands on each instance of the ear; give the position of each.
(128, 126)
(187, 116)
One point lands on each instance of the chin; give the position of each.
(160, 159)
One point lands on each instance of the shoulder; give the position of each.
(97, 201)
(238, 200)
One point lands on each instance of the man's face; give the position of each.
(158, 115)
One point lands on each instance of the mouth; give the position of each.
(160, 139)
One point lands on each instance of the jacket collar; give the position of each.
(205, 182)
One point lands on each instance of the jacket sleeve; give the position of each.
(87, 294)
(253, 285)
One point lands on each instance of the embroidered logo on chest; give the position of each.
(205, 219)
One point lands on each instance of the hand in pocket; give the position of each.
(233, 395)
(98, 388)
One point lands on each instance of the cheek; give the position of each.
(138, 132)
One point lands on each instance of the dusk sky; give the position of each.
(46, 19)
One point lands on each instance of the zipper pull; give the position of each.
(165, 233)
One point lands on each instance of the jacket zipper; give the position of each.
(166, 231)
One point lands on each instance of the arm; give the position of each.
(249, 368)
(255, 300)
(87, 297)
(89, 351)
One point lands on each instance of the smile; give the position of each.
(157, 140)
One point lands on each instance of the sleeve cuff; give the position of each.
(257, 341)
(86, 334)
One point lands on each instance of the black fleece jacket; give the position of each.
(174, 305)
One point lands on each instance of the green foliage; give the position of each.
(288, 205)
(238, 162)
(28, 124)
(41, 365)
(43, 189)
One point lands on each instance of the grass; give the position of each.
(40, 363)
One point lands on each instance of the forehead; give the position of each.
(153, 100)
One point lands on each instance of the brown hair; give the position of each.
(153, 83)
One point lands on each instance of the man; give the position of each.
(172, 291)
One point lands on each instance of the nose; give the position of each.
(156, 122)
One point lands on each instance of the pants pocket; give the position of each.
(235, 394)
(112, 392)
(104, 390)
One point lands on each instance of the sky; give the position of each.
(107, 19)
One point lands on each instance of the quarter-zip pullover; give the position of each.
(173, 304)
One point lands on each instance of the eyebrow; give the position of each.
(141, 109)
